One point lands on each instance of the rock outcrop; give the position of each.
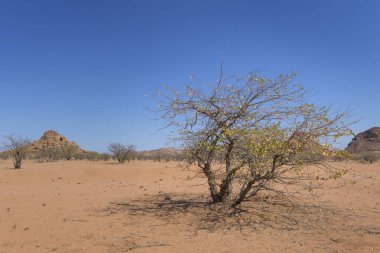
(367, 141)
(55, 141)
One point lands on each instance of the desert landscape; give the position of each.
(173, 126)
(144, 206)
(258, 170)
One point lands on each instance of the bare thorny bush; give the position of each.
(121, 152)
(17, 148)
(262, 132)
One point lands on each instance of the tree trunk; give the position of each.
(17, 163)
(211, 183)
(247, 186)
(226, 186)
(245, 190)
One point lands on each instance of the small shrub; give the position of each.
(79, 156)
(122, 153)
(91, 156)
(17, 147)
(4, 156)
(68, 152)
(104, 156)
(49, 154)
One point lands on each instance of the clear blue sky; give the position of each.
(83, 67)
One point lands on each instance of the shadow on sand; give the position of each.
(265, 211)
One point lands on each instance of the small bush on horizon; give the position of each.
(91, 156)
(104, 156)
(49, 154)
(4, 156)
(68, 151)
(121, 152)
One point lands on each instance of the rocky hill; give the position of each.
(161, 154)
(367, 141)
(55, 141)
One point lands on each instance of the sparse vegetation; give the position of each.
(104, 156)
(68, 151)
(49, 154)
(121, 152)
(4, 156)
(367, 157)
(17, 148)
(255, 133)
(91, 156)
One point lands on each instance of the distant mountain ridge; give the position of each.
(161, 153)
(366, 141)
(51, 140)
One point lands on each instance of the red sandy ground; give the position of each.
(81, 206)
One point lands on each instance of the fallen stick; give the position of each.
(136, 246)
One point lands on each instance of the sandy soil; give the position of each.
(81, 206)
